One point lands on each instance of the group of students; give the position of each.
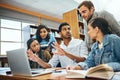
(73, 53)
(42, 37)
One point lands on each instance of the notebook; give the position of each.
(19, 64)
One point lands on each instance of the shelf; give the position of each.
(58, 38)
(76, 23)
(81, 24)
(82, 36)
(80, 19)
(31, 26)
(31, 35)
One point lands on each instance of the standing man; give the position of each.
(87, 12)
(70, 51)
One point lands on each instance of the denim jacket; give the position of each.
(108, 54)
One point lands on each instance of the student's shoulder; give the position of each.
(113, 37)
(103, 13)
(73, 39)
(51, 35)
(77, 40)
(45, 52)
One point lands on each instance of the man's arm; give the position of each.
(83, 50)
(114, 26)
(76, 58)
(115, 65)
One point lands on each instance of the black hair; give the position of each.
(88, 4)
(101, 23)
(38, 37)
(29, 42)
(61, 25)
(28, 47)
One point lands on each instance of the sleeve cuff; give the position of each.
(83, 65)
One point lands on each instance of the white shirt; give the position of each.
(76, 47)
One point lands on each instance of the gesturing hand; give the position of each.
(32, 56)
(76, 67)
(58, 50)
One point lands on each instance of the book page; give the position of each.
(101, 74)
(104, 67)
(76, 73)
(101, 71)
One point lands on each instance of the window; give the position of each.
(11, 34)
(10, 24)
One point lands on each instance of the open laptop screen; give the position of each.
(19, 63)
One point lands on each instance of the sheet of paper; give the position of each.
(59, 72)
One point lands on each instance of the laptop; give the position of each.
(19, 64)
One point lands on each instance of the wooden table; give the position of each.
(4, 76)
(42, 77)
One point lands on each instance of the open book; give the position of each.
(102, 71)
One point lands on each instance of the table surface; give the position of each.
(51, 76)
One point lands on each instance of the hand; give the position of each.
(58, 50)
(76, 67)
(32, 56)
(48, 49)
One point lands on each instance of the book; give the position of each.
(102, 71)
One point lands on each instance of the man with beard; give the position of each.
(87, 12)
(70, 52)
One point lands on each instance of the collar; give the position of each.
(62, 43)
(94, 15)
(105, 41)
